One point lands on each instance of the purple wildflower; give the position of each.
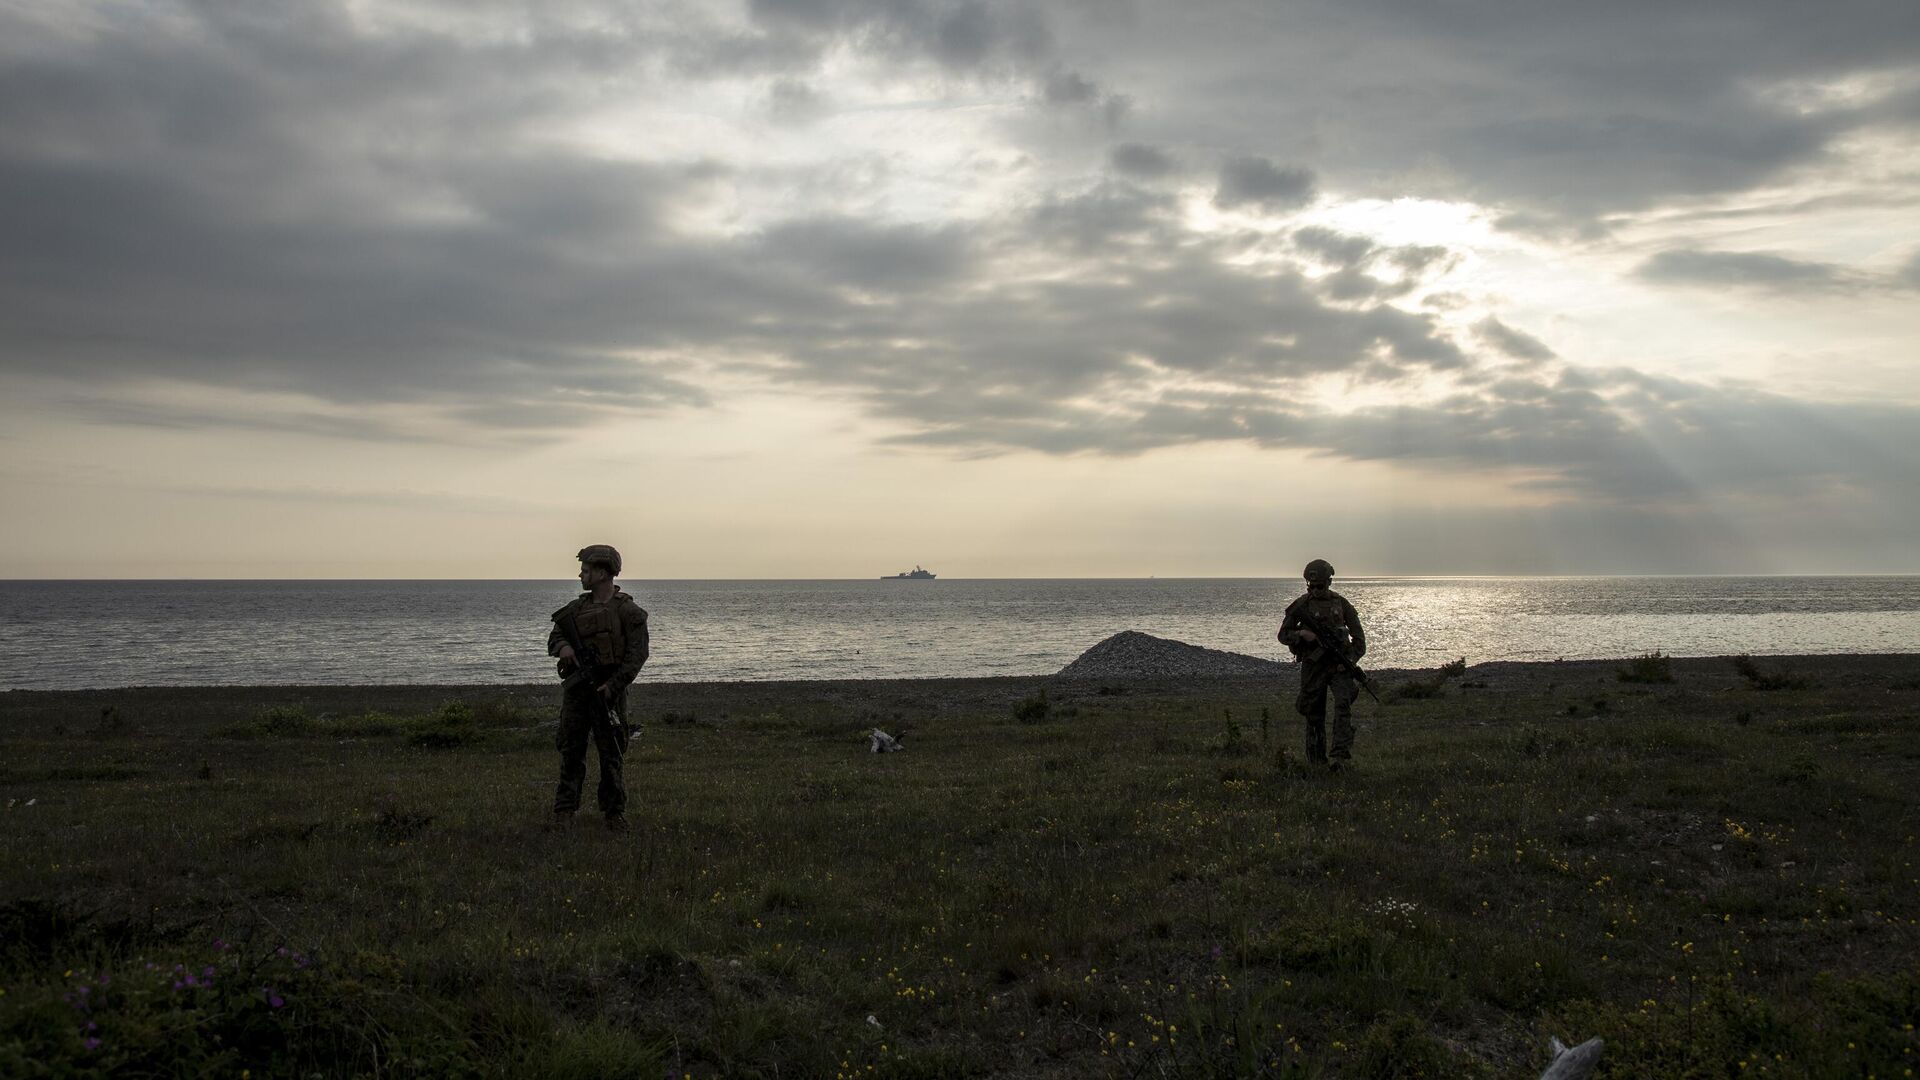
(220, 945)
(90, 1043)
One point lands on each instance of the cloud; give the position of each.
(855, 254)
(1354, 258)
(1558, 121)
(1257, 182)
(282, 201)
(794, 102)
(969, 35)
(1108, 214)
(1745, 269)
(1514, 343)
(1141, 162)
(1070, 88)
(1341, 249)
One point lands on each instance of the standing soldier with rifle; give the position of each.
(601, 640)
(1323, 632)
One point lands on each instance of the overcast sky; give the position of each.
(799, 288)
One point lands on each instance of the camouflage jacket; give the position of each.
(1332, 611)
(615, 630)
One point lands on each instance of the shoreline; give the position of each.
(189, 709)
(1506, 669)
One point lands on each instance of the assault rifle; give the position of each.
(1329, 643)
(586, 665)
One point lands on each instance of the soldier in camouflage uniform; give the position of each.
(594, 707)
(1320, 673)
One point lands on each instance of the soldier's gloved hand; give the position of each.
(1306, 636)
(566, 653)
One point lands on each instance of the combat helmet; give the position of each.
(1318, 570)
(602, 555)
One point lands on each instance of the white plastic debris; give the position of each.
(1574, 1064)
(871, 1020)
(882, 743)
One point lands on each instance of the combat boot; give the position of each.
(616, 823)
(561, 820)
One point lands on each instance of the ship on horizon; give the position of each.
(916, 575)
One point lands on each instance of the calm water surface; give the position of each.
(72, 634)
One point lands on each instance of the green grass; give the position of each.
(1654, 667)
(1705, 873)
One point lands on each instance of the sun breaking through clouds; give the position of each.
(814, 287)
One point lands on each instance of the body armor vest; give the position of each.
(601, 629)
(1327, 609)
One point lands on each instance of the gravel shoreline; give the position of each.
(198, 707)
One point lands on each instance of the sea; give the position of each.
(96, 634)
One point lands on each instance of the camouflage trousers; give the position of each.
(583, 719)
(1320, 679)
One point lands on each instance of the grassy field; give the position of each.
(1715, 873)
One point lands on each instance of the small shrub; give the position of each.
(1418, 690)
(1761, 679)
(1400, 1048)
(450, 728)
(1535, 741)
(1802, 770)
(1341, 947)
(112, 722)
(1033, 709)
(368, 725)
(1433, 686)
(277, 722)
(1654, 667)
(1231, 741)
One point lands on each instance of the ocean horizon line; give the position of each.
(1569, 576)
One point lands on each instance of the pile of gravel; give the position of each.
(1134, 655)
